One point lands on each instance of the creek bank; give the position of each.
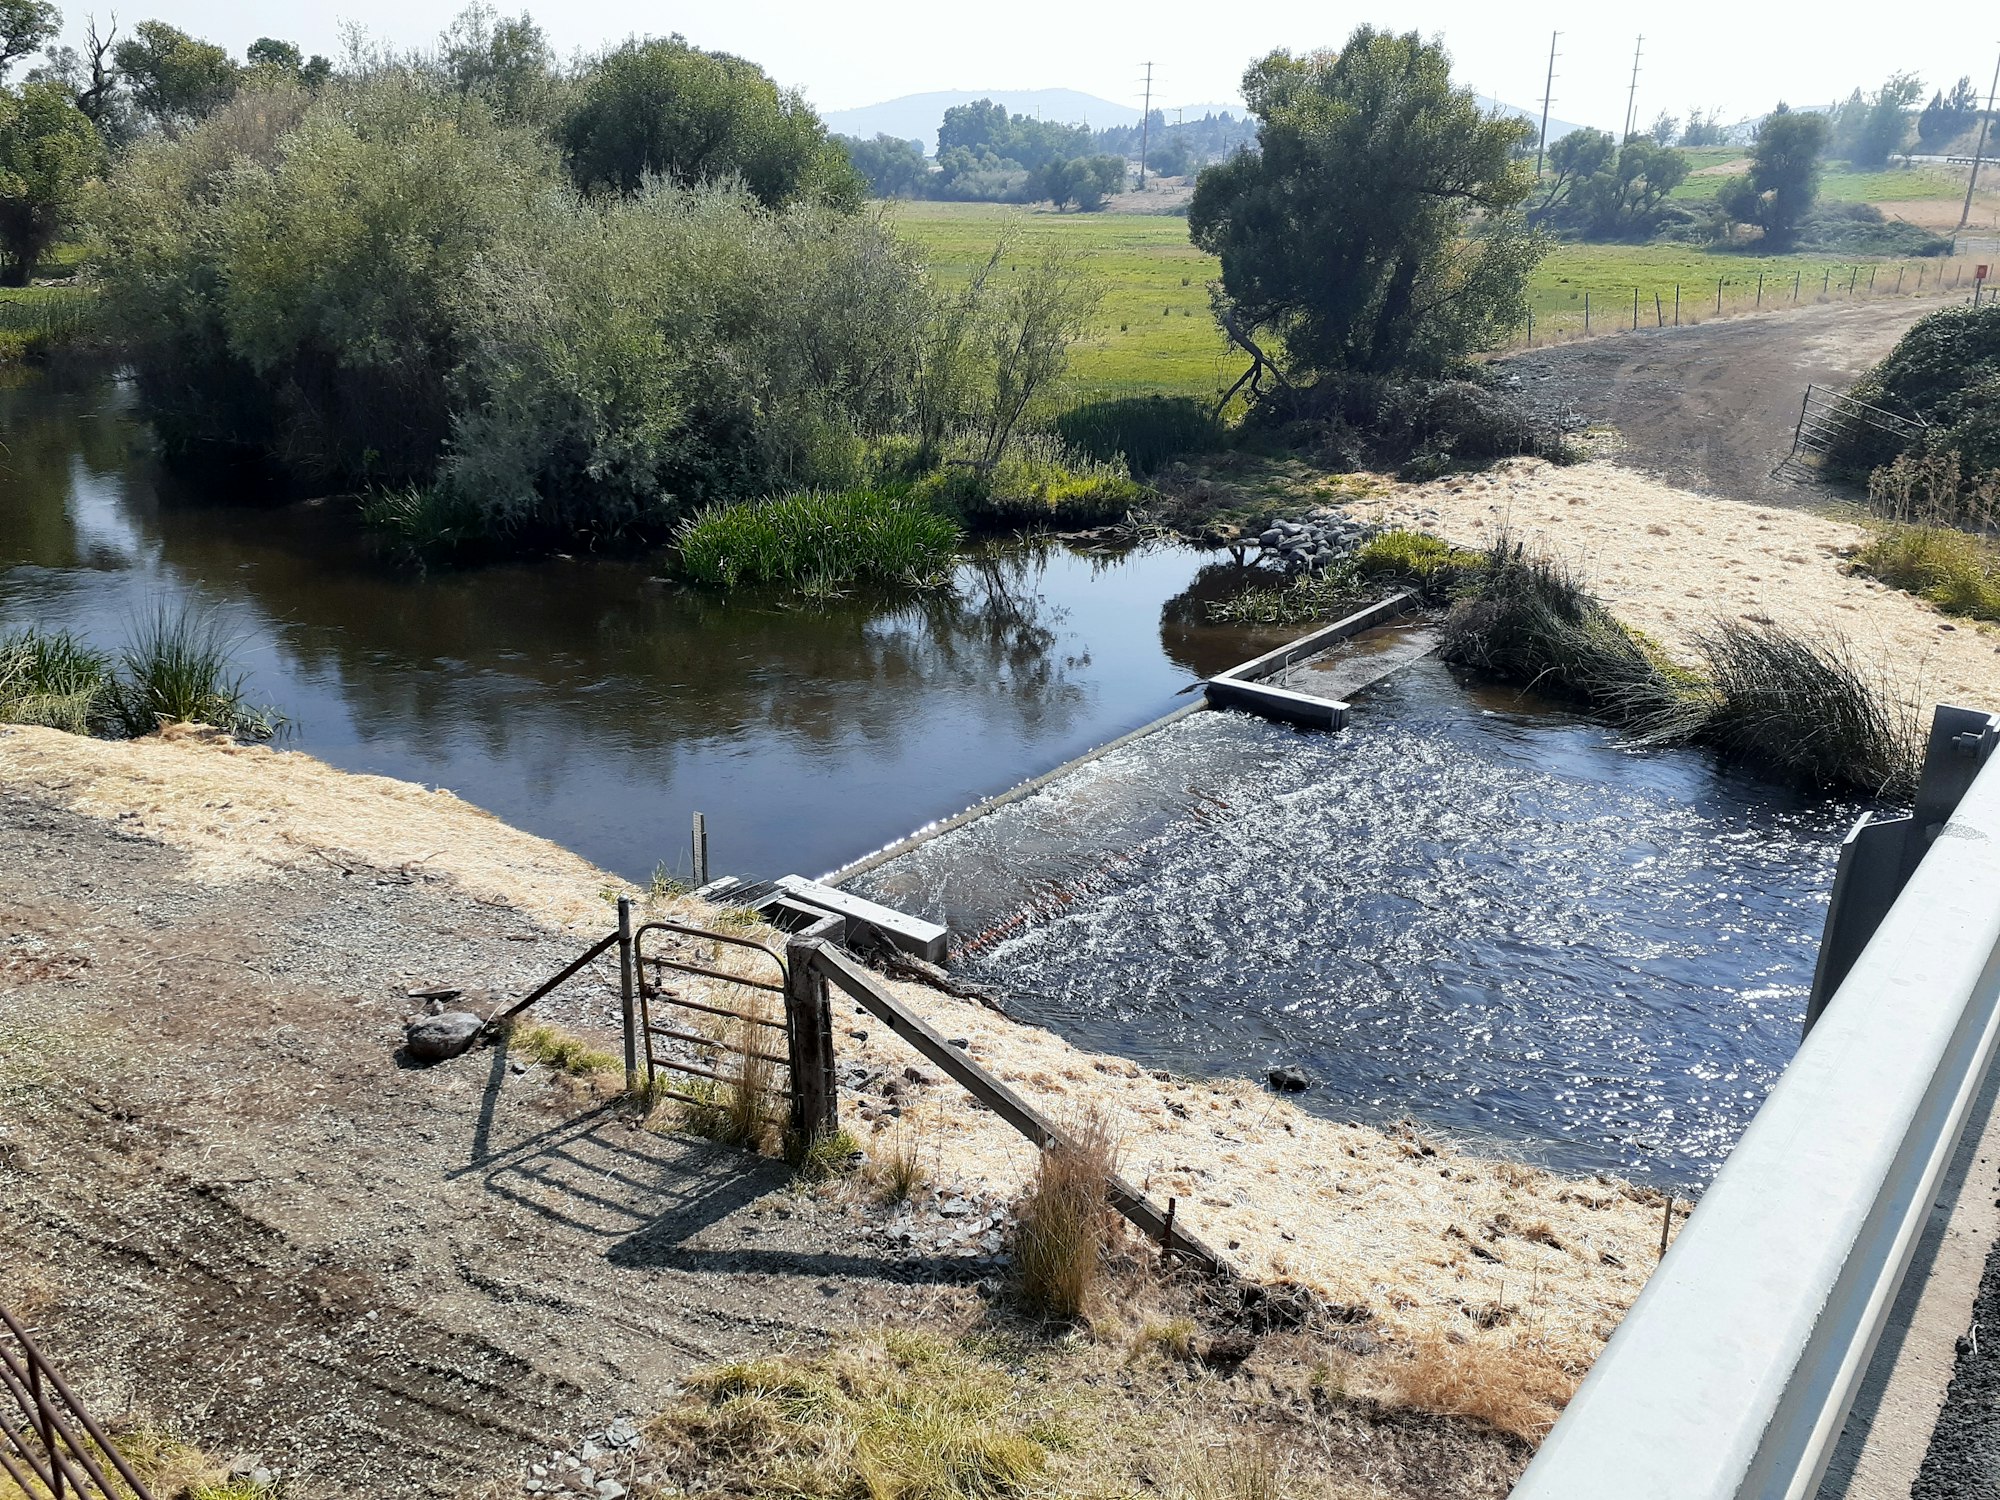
(1382, 1219)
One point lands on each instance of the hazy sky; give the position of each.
(1740, 57)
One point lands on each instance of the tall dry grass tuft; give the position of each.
(1931, 489)
(1512, 1385)
(1250, 1469)
(1066, 1219)
(49, 677)
(737, 1110)
(899, 1173)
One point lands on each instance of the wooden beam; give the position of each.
(868, 992)
(912, 934)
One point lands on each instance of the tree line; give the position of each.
(985, 154)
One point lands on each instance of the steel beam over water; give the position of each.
(1733, 1373)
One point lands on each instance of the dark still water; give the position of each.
(1481, 913)
(582, 701)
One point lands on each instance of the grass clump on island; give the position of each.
(818, 541)
(177, 668)
(39, 322)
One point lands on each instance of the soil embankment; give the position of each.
(232, 1206)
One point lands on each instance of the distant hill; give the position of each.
(1557, 128)
(916, 117)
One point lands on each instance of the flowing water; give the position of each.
(1466, 907)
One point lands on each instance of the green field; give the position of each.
(1155, 334)
(1837, 185)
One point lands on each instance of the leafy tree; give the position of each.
(1085, 181)
(175, 79)
(894, 168)
(984, 127)
(48, 151)
(24, 26)
(1783, 181)
(1948, 116)
(1666, 128)
(269, 58)
(1378, 228)
(506, 61)
(1870, 131)
(1573, 160)
(1702, 129)
(668, 109)
(1174, 156)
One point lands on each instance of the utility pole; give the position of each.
(1632, 95)
(1548, 89)
(1979, 152)
(1145, 127)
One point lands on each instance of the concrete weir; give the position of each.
(1247, 687)
(1250, 687)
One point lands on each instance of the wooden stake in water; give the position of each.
(700, 851)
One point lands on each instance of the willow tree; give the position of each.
(1377, 228)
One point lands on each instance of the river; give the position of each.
(1469, 907)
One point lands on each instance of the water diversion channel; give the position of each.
(1468, 907)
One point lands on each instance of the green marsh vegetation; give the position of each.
(176, 667)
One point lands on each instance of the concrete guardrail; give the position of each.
(1733, 1373)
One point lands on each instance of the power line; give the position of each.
(1548, 90)
(1145, 127)
(1632, 96)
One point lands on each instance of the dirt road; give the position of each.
(1713, 407)
(230, 1208)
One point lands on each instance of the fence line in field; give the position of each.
(1600, 311)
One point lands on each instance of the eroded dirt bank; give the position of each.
(237, 1209)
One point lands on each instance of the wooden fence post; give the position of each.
(809, 1030)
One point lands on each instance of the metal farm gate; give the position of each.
(704, 1051)
(1824, 416)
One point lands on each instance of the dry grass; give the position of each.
(169, 1468)
(898, 1171)
(905, 1417)
(1066, 1219)
(562, 1050)
(738, 1109)
(1252, 1468)
(1517, 1385)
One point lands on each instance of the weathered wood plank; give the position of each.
(912, 934)
(1003, 1101)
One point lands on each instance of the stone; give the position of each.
(1289, 1079)
(434, 1038)
(918, 1076)
(960, 1042)
(954, 1208)
(610, 1489)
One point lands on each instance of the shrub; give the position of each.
(1065, 1220)
(1038, 483)
(821, 541)
(1957, 572)
(1802, 709)
(1946, 372)
(178, 668)
(1860, 229)
(1146, 432)
(52, 678)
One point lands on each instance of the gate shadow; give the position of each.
(648, 1201)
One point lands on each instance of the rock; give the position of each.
(1289, 1079)
(433, 1038)
(918, 1076)
(960, 1042)
(610, 1489)
(622, 1433)
(954, 1208)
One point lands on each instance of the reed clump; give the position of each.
(53, 679)
(820, 541)
(1066, 1222)
(1794, 706)
(177, 668)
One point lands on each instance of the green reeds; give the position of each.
(821, 541)
(179, 667)
(53, 679)
(1956, 571)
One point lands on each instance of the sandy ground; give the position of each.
(1503, 1266)
(1672, 562)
